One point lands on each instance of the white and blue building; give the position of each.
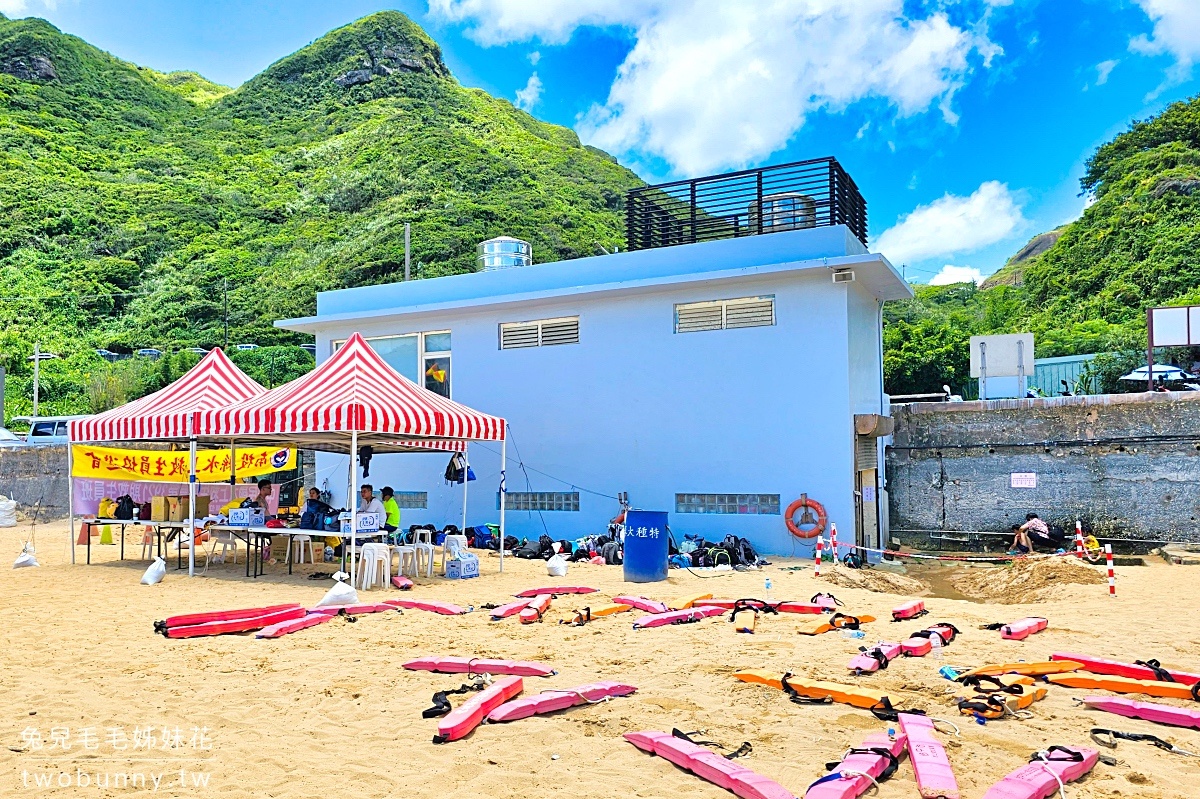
(716, 373)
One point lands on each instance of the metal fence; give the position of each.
(804, 194)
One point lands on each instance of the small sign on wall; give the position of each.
(1023, 480)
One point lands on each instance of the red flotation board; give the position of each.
(1042, 778)
(1150, 711)
(353, 610)
(510, 609)
(402, 582)
(708, 765)
(295, 625)
(779, 607)
(459, 722)
(459, 665)
(552, 700)
(874, 658)
(444, 608)
(678, 616)
(641, 603)
(220, 615)
(909, 610)
(1020, 630)
(555, 590)
(1132, 670)
(536, 607)
(235, 625)
(860, 768)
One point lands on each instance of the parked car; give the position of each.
(149, 352)
(247, 346)
(46, 429)
(197, 350)
(311, 349)
(107, 355)
(10, 439)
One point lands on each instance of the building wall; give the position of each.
(36, 477)
(635, 407)
(1126, 464)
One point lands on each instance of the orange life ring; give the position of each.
(798, 531)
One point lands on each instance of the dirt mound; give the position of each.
(879, 581)
(1025, 580)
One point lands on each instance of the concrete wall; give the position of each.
(35, 474)
(1127, 464)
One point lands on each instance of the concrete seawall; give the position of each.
(36, 477)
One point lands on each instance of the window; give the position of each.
(412, 499)
(540, 333)
(694, 317)
(755, 504)
(540, 500)
(423, 358)
(40, 429)
(436, 363)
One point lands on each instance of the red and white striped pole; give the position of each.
(1079, 539)
(1112, 577)
(817, 561)
(833, 543)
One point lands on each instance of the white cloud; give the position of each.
(956, 274)
(712, 84)
(17, 8)
(528, 97)
(1103, 70)
(535, 57)
(863, 130)
(953, 224)
(1176, 32)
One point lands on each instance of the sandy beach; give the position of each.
(330, 712)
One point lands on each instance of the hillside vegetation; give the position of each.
(132, 197)
(1136, 246)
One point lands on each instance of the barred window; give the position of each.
(540, 500)
(412, 499)
(760, 504)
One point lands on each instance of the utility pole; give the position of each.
(904, 272)
(226, 292)
(37, 363)
(407, 262)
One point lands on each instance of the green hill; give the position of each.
(1135, 247)
(132, 197)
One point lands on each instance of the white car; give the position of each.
(10, 439)
(46, 429)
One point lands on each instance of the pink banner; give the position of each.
(89, 492)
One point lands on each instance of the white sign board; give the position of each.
(1007, 355)
(1175, 327)
(1023, 480)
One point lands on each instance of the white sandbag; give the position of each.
(26, 558)
(556, 566)
(155, 573)
(341, 593)
(8, 512)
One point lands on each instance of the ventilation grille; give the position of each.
(694, 317)
(866, 453)
(542, 333)
(843, 276)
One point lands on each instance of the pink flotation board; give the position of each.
(510, 609)
(553, 700)
(235, 625)
(1150, 711)
(220, 615)
(779, 607)
(459, 722)
(915, 647)
(1020, 630)
(841, 783)
(827, 601)
(295, 625)
(678, 617)
(709, 765)
(1037, 780)
(536, 607)
(641, 603)
(353, 610)
(909, 610)
(460, 665)
(556, 589)
(935, 779)
(1134, 671)
(874, 658)
(402, 582)
(444, 608)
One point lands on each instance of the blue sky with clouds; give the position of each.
(966, 124)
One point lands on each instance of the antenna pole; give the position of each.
(407, 256)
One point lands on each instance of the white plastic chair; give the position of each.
(451, 546)
(374, 565)
(148, 535)
(297, 544)
(423, 545)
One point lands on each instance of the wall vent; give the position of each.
(694, 317)
(843, 276)
(540, 333)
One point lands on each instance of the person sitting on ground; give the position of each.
(392, 509)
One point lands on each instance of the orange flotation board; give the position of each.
(854, 695)
(1126, 685)
(685, 602)
(838, 621)
(1034, 669)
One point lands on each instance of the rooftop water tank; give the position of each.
(503, 252)
(784, 211)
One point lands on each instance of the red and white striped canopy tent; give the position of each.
(215, 382)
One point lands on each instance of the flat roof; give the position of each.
(829, 248)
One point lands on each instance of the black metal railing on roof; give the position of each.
(804, 194)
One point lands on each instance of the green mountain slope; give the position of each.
(132, 197)
(1135, 247)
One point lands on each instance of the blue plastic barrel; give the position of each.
(645, 546)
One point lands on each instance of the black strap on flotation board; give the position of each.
(931, 631)
(752, 606)
(1072, 755)
(884, 711)
(1196, 691)
(581, 618)
(876, 653)
(797, 697)
(982, 704)
(741, 751)
(996, 625)
(1108, 738)
(840, 621)
(441, 700)
(817, 596)
(1160, 673)
(975, 681)
(888, 770)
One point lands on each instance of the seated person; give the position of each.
(391, 509)
(1021, 544)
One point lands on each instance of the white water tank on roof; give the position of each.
(503, 252)
(784, 211)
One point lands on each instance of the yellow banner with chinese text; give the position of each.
(156, 466)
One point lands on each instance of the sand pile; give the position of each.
(878, 581)
(1025, 580)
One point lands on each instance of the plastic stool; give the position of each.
(298, 542)
(375, 565)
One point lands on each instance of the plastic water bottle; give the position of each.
(935, 641)
(853, 634)
(767, 589)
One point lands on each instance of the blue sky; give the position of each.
(965, 124)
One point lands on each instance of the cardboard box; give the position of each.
(464, 566)
(367, 523)
(159, 509)
(178, 508)
(246, 517)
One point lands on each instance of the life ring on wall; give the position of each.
(811, 504)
